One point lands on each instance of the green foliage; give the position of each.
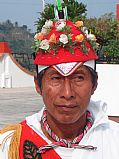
(47, 14)
(106, 30)
(76, 11)
(19, 38)
(21, 46)
(112, 48)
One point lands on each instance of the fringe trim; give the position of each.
(13, 152)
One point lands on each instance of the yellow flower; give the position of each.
(39, 36)
(79, 38)
(79, 24)
(52, 38)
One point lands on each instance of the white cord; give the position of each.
(43, 4)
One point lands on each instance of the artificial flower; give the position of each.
(91, 37)
(44, 44)
(85, 31)
(79, 24)
(52, 38)
(49, 24)
(63, 39)
(60, 25)
(66, 38)
(39, 36)
(79, 38)
(44, 30)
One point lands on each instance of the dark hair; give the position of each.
(40, 76)
(93, 75)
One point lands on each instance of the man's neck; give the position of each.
(66, 131)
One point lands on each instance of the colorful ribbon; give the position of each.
(59, 6)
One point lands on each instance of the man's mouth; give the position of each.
(67, 108)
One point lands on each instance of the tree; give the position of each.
(105, 26)
(76, 11)
(106, 30)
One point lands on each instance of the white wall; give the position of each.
(11, 76)
(19, 77)
(2, 70)
(108, 87)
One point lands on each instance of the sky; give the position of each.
(26, 12)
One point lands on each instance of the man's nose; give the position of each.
(67, 90)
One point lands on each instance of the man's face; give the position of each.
(67, 98)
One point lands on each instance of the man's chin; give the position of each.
(67, 120)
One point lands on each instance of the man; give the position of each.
(70, 125)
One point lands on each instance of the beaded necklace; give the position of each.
(63, 142)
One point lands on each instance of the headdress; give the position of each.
(63, 44)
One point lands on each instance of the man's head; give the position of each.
(67, 97)
(65, 70)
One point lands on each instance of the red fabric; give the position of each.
(63, 55)
(117, 12)
(31, 135)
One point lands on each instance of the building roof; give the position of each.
(4, 48)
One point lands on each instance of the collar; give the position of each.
(97, 108)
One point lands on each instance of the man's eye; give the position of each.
(78, 77)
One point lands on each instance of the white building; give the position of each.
(11, 73)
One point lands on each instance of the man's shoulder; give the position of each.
(111, 132)
(114, 126)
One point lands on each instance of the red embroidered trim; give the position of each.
(31, 135)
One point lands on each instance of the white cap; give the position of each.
(66, 69)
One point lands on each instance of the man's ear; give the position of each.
(36, 84)
(95, 86)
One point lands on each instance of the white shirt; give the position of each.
(104, 134)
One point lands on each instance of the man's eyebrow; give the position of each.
(79, 71)
(51, 72)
